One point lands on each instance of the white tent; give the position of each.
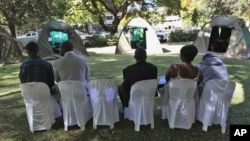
(225, 35)
(138, 33)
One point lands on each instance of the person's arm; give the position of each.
(171, 71)
(56, 76)
(21, 74)
(126, 82)
(156, 73)
(87, 72)
(51, 80)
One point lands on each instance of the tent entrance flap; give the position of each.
(219, 39)
(137, 37)
(56, 38)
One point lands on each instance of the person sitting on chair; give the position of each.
(211, 67)
(36, 69)
(141, 70)
(71, 66)
(185, 69)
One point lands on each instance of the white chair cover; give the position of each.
(141, 103)
(214, 103)
(103, 95)
(41, 107)
(75, 104)
(178, 103)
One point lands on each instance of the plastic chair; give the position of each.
(215, 102)
(103, 95)
(178, 103)
(41, 107)
(141, 104)
(75, 104)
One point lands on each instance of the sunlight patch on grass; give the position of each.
(108, 60)
(239, 94)
(10, 91)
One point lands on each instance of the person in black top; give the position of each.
(141, 70)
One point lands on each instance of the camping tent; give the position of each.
(53, 34)
(225, 35)
(138, 33)
(9, 49)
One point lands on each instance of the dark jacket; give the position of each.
(36, 69)
(136, 72)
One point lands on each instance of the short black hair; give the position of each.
(189, 52)
(32, 46)
(67, 46)
(140, 54)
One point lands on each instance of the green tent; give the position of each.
(53, 34)
(224, 35)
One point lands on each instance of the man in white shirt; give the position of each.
(71, 66)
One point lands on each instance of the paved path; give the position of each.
(111, 49)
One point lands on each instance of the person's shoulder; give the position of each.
(151, 65)
(174, 65)
(129, 67)
(82, 57)
(46, 62)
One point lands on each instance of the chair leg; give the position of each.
(82, 128)
(111, 126)
(223, 129)
(49, 129)
(95, 126)
(152, 125)
(137, 127)
(204, 128)
(65, 128)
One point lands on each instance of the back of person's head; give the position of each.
(65, 47)
(188, 52)
(140, 54)
(32, 48)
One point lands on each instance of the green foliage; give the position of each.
(99, 41)
(96, 41)
(29, 14)
(182, 36)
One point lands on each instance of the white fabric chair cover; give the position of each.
(41, 107)
(141, 104)
(178, 103)
(103, 95)
(215, 102)
(75, 104)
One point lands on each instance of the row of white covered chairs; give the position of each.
(77, 107)
(181, 104)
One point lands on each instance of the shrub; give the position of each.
(181, 36)
(99, 41)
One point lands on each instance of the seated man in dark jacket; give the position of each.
(36, 69)
(141, 70)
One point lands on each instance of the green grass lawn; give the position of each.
(14, 125)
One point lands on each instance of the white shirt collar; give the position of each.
(69, 52)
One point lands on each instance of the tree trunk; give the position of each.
(12, 29)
